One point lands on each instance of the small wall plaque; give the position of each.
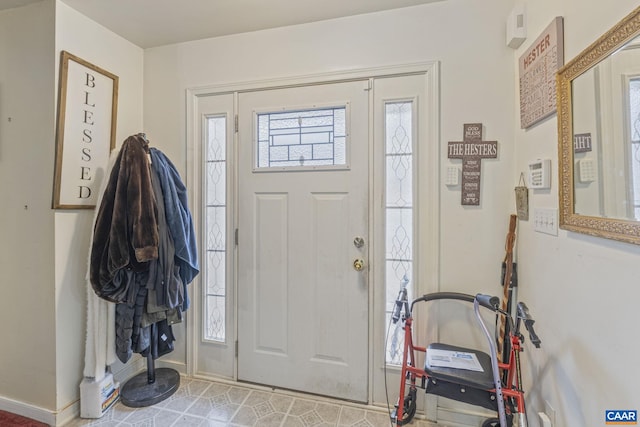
(582, 142)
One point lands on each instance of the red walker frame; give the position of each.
(510, 387)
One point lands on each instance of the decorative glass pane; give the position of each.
(215, 318)
(216, 283)
(215, 211)
(398, 216)
(399, 184)
(216, 131)
(399, 240)
(301, 138)
(215, 228)
(395, 342)
(398, 118)
(216, 177)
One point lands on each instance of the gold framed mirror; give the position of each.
(599, 136)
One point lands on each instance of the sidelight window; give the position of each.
(398, 136)
(215, 197)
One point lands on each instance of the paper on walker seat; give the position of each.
(453, 359)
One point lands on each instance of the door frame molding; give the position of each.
(428, 206)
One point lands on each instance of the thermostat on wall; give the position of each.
(540, 174)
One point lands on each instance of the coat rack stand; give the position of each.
(151, 387)
(153, 179)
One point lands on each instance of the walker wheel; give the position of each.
(408, 410)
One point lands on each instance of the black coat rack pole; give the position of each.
(151, 387)
(151, 369)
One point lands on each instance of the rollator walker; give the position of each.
(497, 387)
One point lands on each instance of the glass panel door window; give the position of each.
(302, 138)
(398, 130)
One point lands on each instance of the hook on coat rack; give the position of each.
(145, 144)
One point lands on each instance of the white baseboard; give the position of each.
(139, 364)
(53, 418)
(132, 368)
(72, 410)
(27, 410)
(181, 367)
(67, 414)
(463, 417)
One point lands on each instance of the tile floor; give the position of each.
(214, 404)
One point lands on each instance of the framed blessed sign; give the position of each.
(87, 107)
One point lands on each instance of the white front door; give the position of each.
(303, 159)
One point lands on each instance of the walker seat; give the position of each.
(462, 384)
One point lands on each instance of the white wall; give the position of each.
(582, 290)
(86, 39)
(27, 125)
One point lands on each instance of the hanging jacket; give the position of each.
(126, 229)
(165, 285)
(178, 217)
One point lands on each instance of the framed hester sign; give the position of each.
(537, 73)
(87, 109)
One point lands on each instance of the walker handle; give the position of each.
(523, 313)
(442, 295)
(488, 301)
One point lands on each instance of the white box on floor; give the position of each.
(96, 397)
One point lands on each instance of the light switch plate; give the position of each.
(545, 220)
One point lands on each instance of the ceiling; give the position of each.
(150, 23)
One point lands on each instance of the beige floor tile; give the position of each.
(213, 404)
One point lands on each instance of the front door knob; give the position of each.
(358, 264)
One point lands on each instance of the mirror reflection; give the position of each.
(606, 136)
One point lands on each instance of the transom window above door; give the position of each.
(314, 138)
